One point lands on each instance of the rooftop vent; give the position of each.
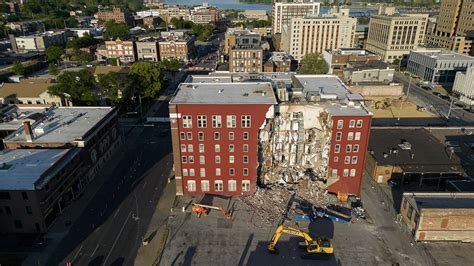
(405, 145)
(221, 90)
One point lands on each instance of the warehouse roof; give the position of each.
(440, 200)
(445, 55)
(26, 88)
(414, 150)
(25, 169)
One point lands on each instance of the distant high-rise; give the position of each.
(455, 23)
(284, 10)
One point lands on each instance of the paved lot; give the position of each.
(207, 240)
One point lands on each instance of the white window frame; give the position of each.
(245, 171)
(340, 124)
(202, 159)
(347, 160)
(217, 159)
(184, 159)
(352, 172)
(334, 173)
(183, 147)
(337, 148)
(185, 172)
(202, 172)
(245, 159)
(232, 185)
(231, 171)
(218, 172)
(352, 123)
(356, 148)
(217, 147)
(348, 148)
(216, 121)
(245, 148)
(345, 172)
(182, 135)
(246, 121)
(245, 185)
(190, 136)
(204, 185)
(191, 184)
(231, 121)
(217, 135)
(245, 135)
(191, 159)
(357, 136)
(231, 159)
(201, 148)
(218, 185)
(202, 121)
(200, 136)
(336, 159)
(187, 121)
(191, 172)
(231, 148)
(231, 136)
(359, 123)
(190, 148)
(338, 136)
(354, 159)
(350, 136)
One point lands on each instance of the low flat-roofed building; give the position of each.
(35, 186)
(32, 91)
(464, 87)
(176, 45)
(366, 72)
(38, 42)
(13, 116)
(147, 49)
(411, 156)
(435, 216)
(338, 59)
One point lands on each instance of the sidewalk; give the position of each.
(157, 231)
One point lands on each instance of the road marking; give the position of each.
(117, 211)
(77, 254)
(95, 249)
(117, 238)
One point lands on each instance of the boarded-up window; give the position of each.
(444, 223)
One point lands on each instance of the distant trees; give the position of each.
(81, 42)
(147, 77)
(77, 86)
(181, 23)
(114, 30)
(171, 64)
(313, 64)
(54, 53)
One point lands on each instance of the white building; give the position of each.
(282, 13)
(464, 86)
(315, 34)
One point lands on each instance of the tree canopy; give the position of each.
(76, 85)
(82, 42)
(53, 69)
(54, 53)
(18, 68)
(114, 30)
(116, 87)
(147, 77)
(171, 64)
(313, 64)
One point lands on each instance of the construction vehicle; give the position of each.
(201, 209)
(319, 248)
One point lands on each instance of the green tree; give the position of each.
(53, 69)
(76, 85)
(82, 42)
(172, 64)
(147, 77)
(181, 24)
(203, 32)
(116, 87)
(18, 68)
(114, 30)
(54, 53)
(313, 64)
(84, 57)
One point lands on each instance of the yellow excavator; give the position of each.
(319, 248)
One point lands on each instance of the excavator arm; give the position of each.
(291, 231)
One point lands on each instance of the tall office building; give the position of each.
(284, 10)
(393, 35)
(315, 34)
(455, 23)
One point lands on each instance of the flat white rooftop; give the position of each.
(445, 55)
(25, 169)
(63, 125)
(225, 93)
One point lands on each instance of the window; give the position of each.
(232, 185)
(347, 160)
(217, 147)
(218, 159)
(359, 123)
(218, 172)
(183, 148)
(24, 195)
(202, 172)
(201, 148)
(191, 159)
(187, 121)
(217, 136)
(5, 195)
(245, 185)
(410, 212)
(202, 159)
(346, 172)
(231, 148)
(246, 148)
(216, 121)
(191, 185)
(348, 148)
(231, 135)
(350, 136)
(184, 159)
(190, 148)
(356, 148)
(337, 148)
(338, 136)
(336, 159)
(231, 159)
(246, 121)
(231, 121)
(18, 224)
(182, 136)
(185, 172)
(231, 171)
(354, 159)
(29, 210)
(202, 121)
(218, 185)
(352, 123)
(357, 136)
(340, 124)
(204, 185)
(334, 173)
(353, 172)
(191, 172)
(246, 171)
(201, 136)
(246, 159)
(246, 135)
(190, 136)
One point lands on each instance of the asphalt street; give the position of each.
(111, 228)
(458, 116)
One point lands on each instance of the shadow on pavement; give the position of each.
(188, 257)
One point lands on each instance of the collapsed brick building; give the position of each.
(299, 127)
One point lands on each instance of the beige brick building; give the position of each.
(454, 23)
(393, 35)
(176, 45)
(123, 50)
(283, 11)
(246, 59)
(32, 91)
(315, 34)
(116, 14)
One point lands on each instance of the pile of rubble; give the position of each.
(270, 203)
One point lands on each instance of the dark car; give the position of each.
(436, 93)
